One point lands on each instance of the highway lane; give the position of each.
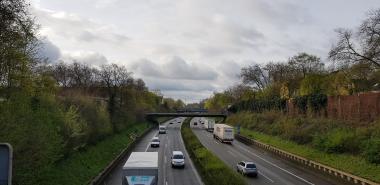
(170, 141)
(272, 169)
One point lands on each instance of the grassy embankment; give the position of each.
(81, 167)
(326, 142)
(211, 168)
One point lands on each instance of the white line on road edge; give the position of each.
(275, 165)
(266, 177)
(191, 162)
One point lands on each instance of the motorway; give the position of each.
(169, 142)
(272, 169)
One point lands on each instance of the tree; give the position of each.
(313, 84)
(18, 43)
(304, 64)
(360, 46)
(255, 75)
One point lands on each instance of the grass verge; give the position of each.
(212, 170)
(81, 167)
(348, 163)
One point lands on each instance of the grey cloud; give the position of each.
(90, 58)
(49, 51)
(176, 68)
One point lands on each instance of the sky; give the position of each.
(189, 49)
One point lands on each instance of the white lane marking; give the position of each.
(166, 145)
(216, 142)
(166, 182)
(165, 159)
(231, 153)
(290, 173)
(266, 177)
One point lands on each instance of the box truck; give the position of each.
(209, 125)
(141, 168)
(224, 133)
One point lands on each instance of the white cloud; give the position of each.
(86, 57)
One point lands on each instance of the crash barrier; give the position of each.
(312, 164)
(119, 159)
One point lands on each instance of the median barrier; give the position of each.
(105, 172)
(312, 164)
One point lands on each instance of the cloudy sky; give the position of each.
(191, 48)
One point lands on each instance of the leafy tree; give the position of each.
(312, 84)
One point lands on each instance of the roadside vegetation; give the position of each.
(59, 116)
(81, 167)
(212, 170)
(330, 142)
(285, 103)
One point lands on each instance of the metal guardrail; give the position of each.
(105, 172)
(310, 163)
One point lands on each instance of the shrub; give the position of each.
(372, 151)
(337, 141)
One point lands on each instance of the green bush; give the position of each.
(211, 168)
(32, 126)
(337, 141)
(372, 151)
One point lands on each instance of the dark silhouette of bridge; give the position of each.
(152, 116)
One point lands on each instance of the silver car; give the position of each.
(247, 168)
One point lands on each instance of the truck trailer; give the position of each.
(141, 168)
(209, 125)
(224, 133)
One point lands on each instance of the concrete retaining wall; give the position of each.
(312, 164)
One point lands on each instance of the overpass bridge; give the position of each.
(152, 116)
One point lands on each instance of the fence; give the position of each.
(363, 107)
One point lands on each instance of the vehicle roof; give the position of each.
(155, 138)
(223, 125)
(142, 160)
(248, 162)
(162, 126)
(177, 153)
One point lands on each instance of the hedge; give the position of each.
(212, 170)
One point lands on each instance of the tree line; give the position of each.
(48, 111)
(353, 68)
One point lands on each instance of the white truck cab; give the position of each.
(162, 130)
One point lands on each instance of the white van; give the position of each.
(178, 159)
(224, 133)
(162, 130)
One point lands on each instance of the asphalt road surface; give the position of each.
(169, 142)
(272, 169)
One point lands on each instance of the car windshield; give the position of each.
(155, 140)
(251, 166)
(178, 157)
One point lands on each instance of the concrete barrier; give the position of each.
(312, 164)
(104, 173)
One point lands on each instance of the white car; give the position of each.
(162, 130)
(247, 168)
(155, 142)
(178, 159)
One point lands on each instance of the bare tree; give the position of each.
(362, 46)
(306, 64)
(255, 75)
